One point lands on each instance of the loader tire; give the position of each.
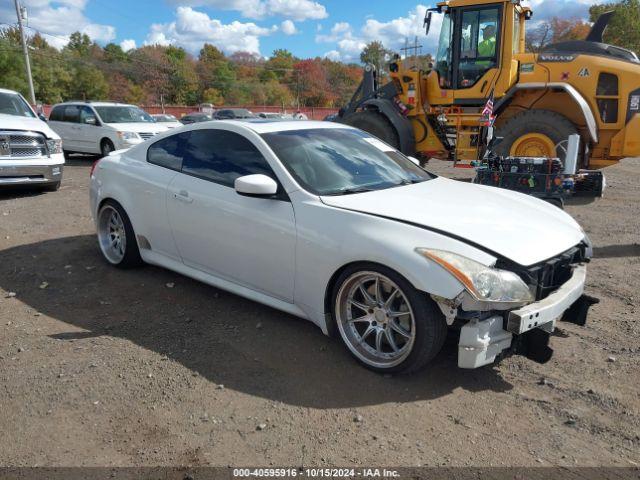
(535, 133)
(376, 124)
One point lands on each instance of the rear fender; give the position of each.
(400, 123)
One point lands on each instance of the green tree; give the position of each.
(376, 54)
(624, 27)
(216, 71)
(79, 43)
(87, 83)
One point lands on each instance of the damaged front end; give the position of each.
(489, 331)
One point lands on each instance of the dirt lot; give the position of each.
(104, 367)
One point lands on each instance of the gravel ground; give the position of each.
(115, 368)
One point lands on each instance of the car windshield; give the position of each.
(339, 161)
(14, 104)
(124, 115)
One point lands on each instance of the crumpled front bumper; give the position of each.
(481, 342)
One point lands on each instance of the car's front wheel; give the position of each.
(116, 236)
(386, 324)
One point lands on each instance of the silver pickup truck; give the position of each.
(30, 152)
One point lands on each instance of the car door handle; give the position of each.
(183, 196)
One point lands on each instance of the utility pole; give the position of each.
(25, 50)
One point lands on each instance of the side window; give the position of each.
(57, 114)
(86, 112)
(607, 97)
(71, 114)
(169, 151)
(479, 35)
(222, 156)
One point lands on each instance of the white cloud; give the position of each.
(191, 29)
(128, 44)
(58, 19)
(288, 27)
(546, 9)
(392, 34)
(298, 10)
(333, 55)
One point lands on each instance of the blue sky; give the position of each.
(334, 28)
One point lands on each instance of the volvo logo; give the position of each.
(5, 146)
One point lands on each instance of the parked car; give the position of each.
(195, 117)
(328, 223)
(101, 127)
(167, 120)
(269, 115)
(30, 152)
(233, 114)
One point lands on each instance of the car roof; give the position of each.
(95, 104)
(5, 90)
(266, 125)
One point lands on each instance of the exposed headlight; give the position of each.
(128, 135)
(54, 145)
(486, 284)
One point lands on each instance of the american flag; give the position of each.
(486, 117)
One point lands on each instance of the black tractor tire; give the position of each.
(106, 147)
(555, 126)
(376, 124)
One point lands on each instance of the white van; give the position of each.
(30, 152)
(101, 127)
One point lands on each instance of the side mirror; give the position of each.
(256, 186)
(427, 21)
(91, 121)
(42, 117)
(414, 160)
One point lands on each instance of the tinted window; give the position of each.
(478, 44)
(169, 151)
(57, 114)
(71, 114)
(222, 156)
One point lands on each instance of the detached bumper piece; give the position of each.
(528, 329)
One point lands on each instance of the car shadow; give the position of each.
(224, 338)
(617, 251)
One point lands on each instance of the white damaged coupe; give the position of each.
(328, 223)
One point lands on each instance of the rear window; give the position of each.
(169, 152)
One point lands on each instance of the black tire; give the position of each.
(131, 258)
(376, 124)
(552, 124)
(52, 187)
(106, 147)
(430, 324)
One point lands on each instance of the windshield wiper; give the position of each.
(351, 191)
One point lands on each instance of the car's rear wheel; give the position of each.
(116, 236)
(386, 323)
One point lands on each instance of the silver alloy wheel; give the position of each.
(375, 319)
(111, 234)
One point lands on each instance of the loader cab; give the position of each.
(478, 41)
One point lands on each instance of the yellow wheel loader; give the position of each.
(582, 87)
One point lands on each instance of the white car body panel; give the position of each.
(519, 227)
(284, 254)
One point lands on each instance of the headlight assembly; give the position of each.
(128, 135)
(485, 284)
(54, 145)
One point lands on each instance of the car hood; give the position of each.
(519, 227)
(139, 127)
(14, 122)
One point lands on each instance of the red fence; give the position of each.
(312, 113)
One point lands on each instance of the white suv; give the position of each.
(30, 152)
(101, 127)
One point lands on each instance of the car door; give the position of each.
(64, 120)
(247, 240)
(88, 138)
